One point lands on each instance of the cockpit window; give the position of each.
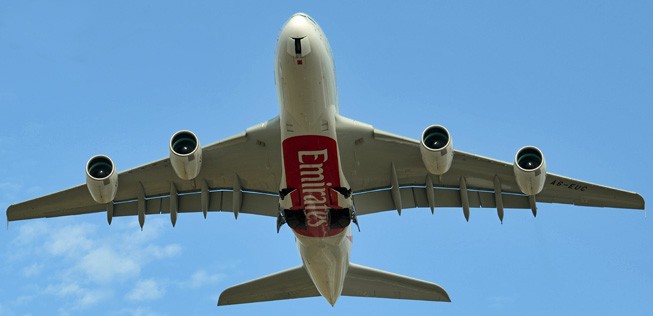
(298, 45)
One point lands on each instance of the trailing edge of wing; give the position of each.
(219, 201)
(412, 197)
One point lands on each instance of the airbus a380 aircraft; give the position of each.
(317, 171)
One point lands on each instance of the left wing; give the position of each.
(373, 159)
(238, 174)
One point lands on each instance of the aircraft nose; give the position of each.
(299, 25)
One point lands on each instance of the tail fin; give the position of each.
(368, 282)
(360, 281)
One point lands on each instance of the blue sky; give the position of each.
(118, 78)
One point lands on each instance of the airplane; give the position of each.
(317, 172)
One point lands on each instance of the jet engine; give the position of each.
(185, 155)
(101, 179)
(530, 170)
(436, 149)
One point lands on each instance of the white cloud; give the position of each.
(104, 265)
(22, 300)
(28, 240)
(71, 240)
(32, 270)
(92, 297)
(201, 278)
(151, 231)
(83, 297)
(84, 266)
(146, 290)
(64, 289)
(140, 311)
(163, 252)
(29, 232)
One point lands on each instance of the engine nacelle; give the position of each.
(185, 155)
(101, 179)
(436, 149)
(530, 170)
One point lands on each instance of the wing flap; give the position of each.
(412, 197)
(219, 201)
(368, 282)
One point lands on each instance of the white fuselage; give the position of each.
(308, 99)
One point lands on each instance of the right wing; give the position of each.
(239, 173)
(371, 156)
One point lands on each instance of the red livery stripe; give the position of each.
(312, 168)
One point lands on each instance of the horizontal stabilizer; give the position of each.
(368, 282)
(291, 283)
(360, 281)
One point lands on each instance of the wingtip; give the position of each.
(8, 211)
(444, 296)
(223, 300)
(642, 205)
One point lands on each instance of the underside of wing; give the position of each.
(386, 172)
(240, 174)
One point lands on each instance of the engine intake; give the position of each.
(530, 170)
(101, 179)
(436, 149)
(185, 155)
